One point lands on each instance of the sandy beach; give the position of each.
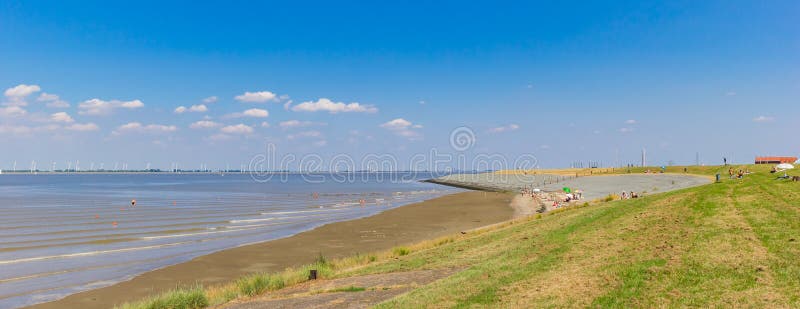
(408, 224)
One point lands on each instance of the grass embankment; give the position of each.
(697, 170)
(733, 243)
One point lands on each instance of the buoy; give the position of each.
(133, 202)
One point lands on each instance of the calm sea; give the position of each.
(62, 234)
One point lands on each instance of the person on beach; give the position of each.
(624, 195)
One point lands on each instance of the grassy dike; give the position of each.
(734, 243)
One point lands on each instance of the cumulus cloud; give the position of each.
(763, 119)
(12, 111)
(211, 100)
(299, 124)
(257, 97)
(396, 124)
(201, 108)
(16, 95)
(97, 107)
(253, 112)
(52, 100)
(61, 117)
(507, 128)
(150, 128)
(82, 127)
(237, 129)
(326, 105)
(402, 127)
(204, 124)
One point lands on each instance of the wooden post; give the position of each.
(312, 274)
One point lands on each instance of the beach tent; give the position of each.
(566, 190)
(784, 166)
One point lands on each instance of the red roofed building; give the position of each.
(775, 160)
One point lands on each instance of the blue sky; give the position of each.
(562, 81)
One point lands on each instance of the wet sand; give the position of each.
(404, 225)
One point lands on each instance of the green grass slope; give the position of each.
(734, 243)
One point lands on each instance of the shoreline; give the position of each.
(404, 225)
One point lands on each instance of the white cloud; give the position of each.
(299, 124)
(83, 127)
(327, 105)
(101, 107)
(61, 117)
(265, 124)
(211, 100)
(201, 108)
(544, 147)
(16, 95)
(305, 134)
(287, 105)
(402, 127)
(320, 143)
(132, 104)
(12, 111)
(21, 90)
(630, 121)
(763, 119)
(396, 124)
(507, 128)
(625, 130)
(238, 129)
(150, 128)
(255, 112)
(204, 124)
(257, 97)
(52, 100)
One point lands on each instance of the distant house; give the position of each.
(775, 160)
